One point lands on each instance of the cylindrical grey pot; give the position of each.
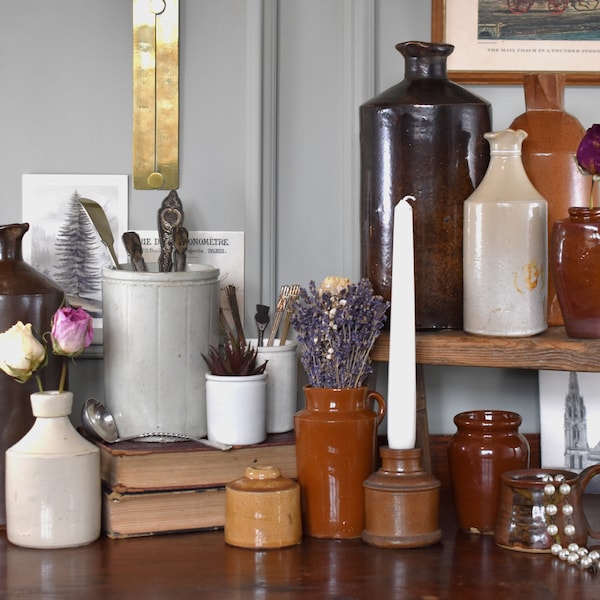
(156, 328)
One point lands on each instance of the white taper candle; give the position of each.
(402, 378)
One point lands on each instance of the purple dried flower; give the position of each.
(588, 156)
(336, 332)
(588, 153)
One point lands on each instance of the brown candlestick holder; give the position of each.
(401, 502)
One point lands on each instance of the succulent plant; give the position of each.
(236, 358)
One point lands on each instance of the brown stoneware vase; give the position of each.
(336, 442)
(524, 515)
(401, 502)
(28, 296)
(575, 263)
(422, 137)
(548, 152)
(486, 444)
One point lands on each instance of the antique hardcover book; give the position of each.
(145, 466)
(150, 513)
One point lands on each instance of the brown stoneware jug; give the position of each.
(336, 442)
(486, 444)
(28, 296)
(422, 137)
(533, 500)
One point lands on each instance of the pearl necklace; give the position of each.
(573, 554)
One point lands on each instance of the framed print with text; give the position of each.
(496, 41)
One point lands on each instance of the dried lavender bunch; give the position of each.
(336, 326)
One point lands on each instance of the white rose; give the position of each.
(21, 353)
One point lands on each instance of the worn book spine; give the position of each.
(138, 467)
(152, 513)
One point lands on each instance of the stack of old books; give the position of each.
(152, 487)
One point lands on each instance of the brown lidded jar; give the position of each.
(262, 510)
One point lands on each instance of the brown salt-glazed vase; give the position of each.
(548, 155)
(28, 296)
(486, 444)
(422, 137)
(336, 443)
(575, 262)
(522, 522)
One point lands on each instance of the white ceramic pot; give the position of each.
(282, 383)
(236, 409)
(53, 486)
(156, 328)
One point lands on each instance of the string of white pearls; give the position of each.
(573, 553)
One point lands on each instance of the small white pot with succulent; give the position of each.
(236, 394)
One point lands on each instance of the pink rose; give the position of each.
(72, 331)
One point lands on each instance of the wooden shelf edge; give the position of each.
(551, 350)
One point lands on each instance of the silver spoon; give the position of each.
(99, 423)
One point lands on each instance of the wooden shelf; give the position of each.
(552, 350)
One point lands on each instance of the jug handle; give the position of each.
(373, 395)
(584, 478)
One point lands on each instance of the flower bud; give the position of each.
(21, 353)
(72, 331)
(588, 153)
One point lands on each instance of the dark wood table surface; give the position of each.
(201, 565)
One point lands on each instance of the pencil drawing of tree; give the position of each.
(76, 245)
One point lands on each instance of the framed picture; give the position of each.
(496, 41)
(63, 244)
(570, 421)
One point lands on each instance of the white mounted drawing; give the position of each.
(570, 420)
(63, 244)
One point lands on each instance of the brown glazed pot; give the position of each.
(262, 510)
(422, 137)
(28, 296)
(336, 442)
(575, 262)
(548, 152)
(486, 444)
(401, 502)
(522, 518)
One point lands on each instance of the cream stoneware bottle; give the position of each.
(505, 249)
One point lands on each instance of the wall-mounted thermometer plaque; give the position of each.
(155, 94)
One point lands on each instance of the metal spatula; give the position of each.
(98, 218)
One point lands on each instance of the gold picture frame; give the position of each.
(504, 61)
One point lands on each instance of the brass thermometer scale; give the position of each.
(155, 94)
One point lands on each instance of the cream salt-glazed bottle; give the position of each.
(53, 485)
(505, 249)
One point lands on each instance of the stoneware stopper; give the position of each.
(262, 510)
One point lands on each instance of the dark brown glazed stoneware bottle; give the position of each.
(422, 137)
(548, 153)
(28, 296)
(575, 263)
(486, 444)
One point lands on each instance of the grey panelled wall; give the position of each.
(268, 142)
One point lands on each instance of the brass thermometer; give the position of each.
(155, 94)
